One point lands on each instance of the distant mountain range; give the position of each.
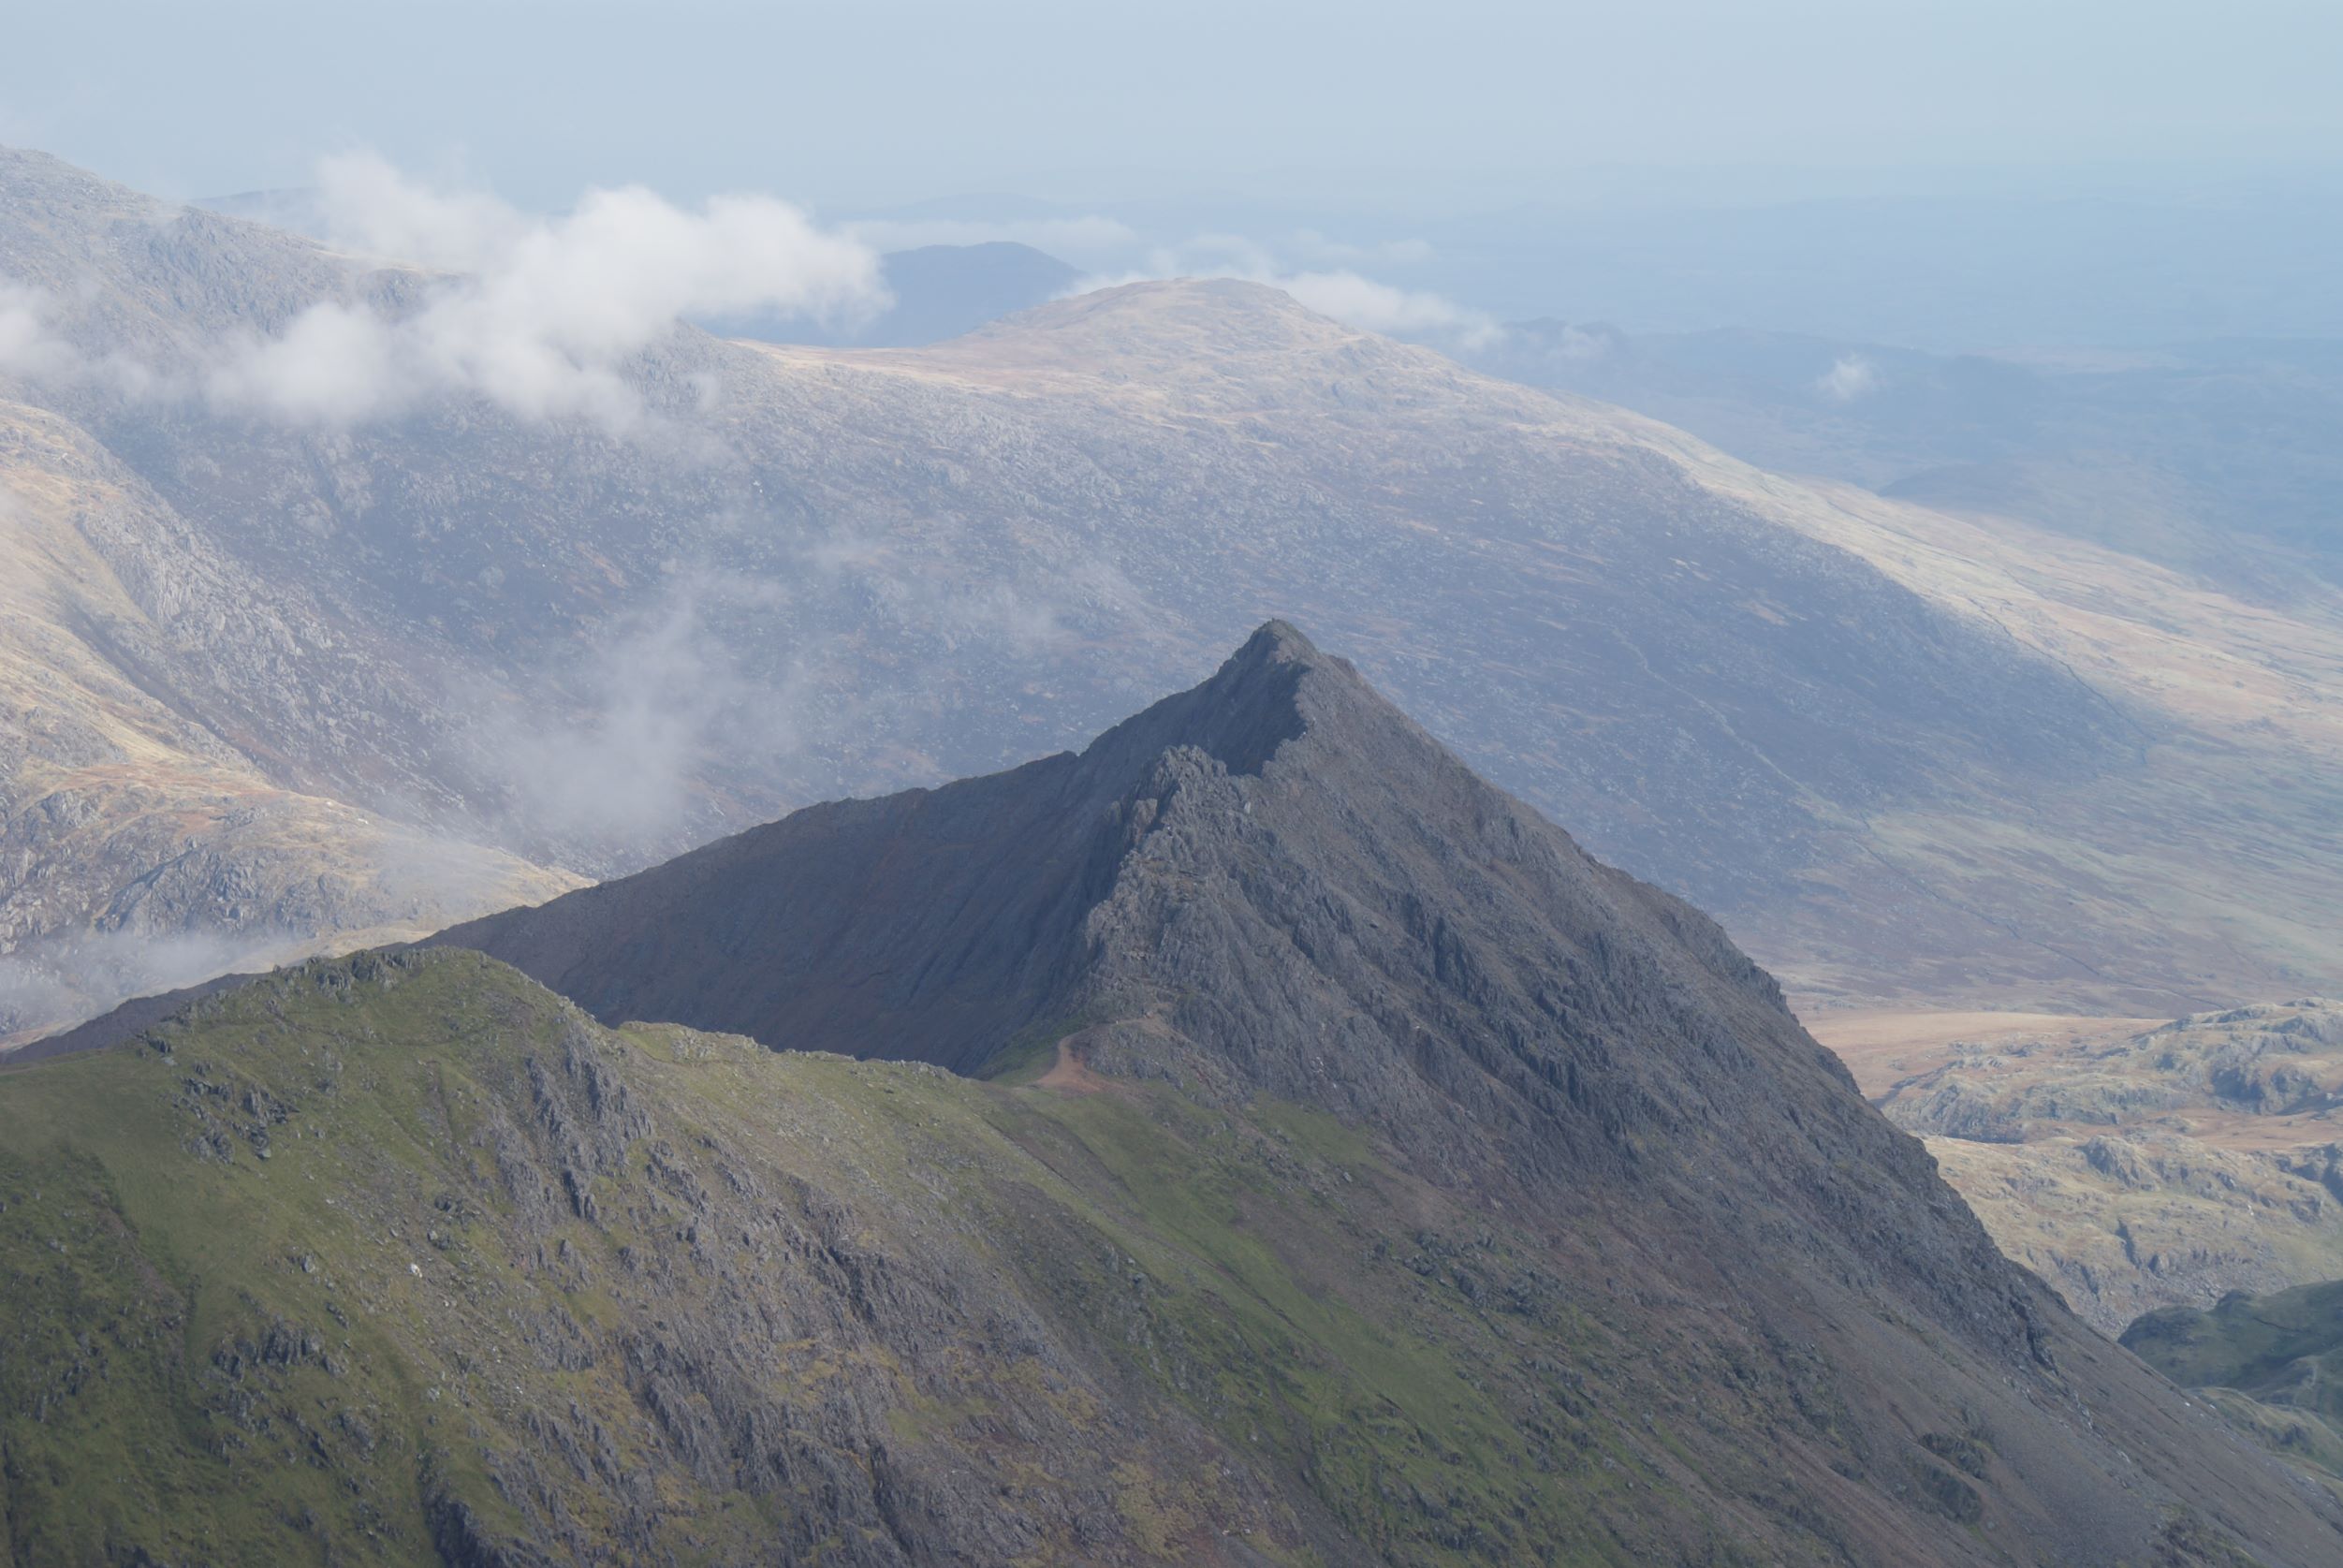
(2215, 458)
(1335, 1164)
(284, 684)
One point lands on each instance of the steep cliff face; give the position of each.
(1276, 885)
(403, 1259)
(408, 1260)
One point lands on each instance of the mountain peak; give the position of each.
(1274, 889)
(970, 924)
(1273, 659)
(1250, 707)
(65, 197)
(1278, 640)
(1187, 330)
(1273, 900)
(1271, 854)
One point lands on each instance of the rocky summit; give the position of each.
(1272, 1144)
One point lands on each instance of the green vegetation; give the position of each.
(381, 1260)
(2272, 1364)
(2282, 1348)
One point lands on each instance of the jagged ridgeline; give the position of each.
(1293, 1150)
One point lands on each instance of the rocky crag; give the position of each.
(2167, 1167)
(1274, 1145)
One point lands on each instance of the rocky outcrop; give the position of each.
(2166, 1169)
(1276, 885)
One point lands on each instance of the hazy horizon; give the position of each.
(884, 104)
(1964, 268)
(1952, 178)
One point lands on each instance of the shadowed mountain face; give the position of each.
(1349, 1144)
(516, 650)
(2284, 1348)
(1274, 883)
(941, 922)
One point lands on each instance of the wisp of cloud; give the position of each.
(1850, 376)
(539, 316)
(27, 346)
(1342, 292)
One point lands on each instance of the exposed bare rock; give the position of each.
(1276, 887)
(2163, 1168)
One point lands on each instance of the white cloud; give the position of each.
(28, 347)
(52, 983)
(32, 349)
(1850, 376)
(1379, 307)
(664, 692)
(336, 365)
(1346, 295)
(1575, 344)
(539, 316)
(362, 203)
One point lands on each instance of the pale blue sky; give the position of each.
(1460, 104)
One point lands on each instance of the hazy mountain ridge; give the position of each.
(149, 839)
(807, 573)
(1367, 1176)
(2207, 456)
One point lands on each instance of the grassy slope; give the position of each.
(373, 1332)
(2200, 875)
(2272, 1364)
(2283, 1348)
